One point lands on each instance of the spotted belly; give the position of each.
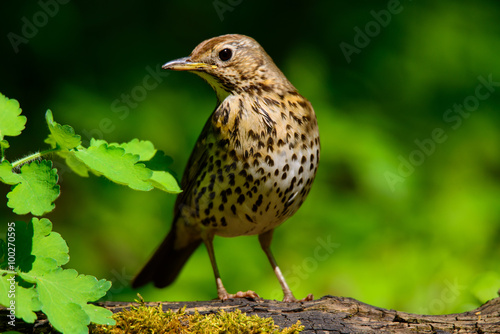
(246, 197)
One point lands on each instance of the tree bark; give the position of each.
(346, 315)
(340, 315)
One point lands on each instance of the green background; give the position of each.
(422, 238)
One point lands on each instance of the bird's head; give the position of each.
(233, 64)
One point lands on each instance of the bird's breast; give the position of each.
(263, 162)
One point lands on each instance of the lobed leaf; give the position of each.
(143, 148)
(11, 123)
(27, 303)
(62, 136)
(48, 244)
(165, 181)
(7, 175)
(115, 164)
(99, 315)
(61, 294)
(26, 300)
(64, 296)
(35, 188)
(40, 249)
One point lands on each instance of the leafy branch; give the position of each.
(31, 276)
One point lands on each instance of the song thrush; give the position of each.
(252, 166)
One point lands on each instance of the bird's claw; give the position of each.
(239, 294)
(292, 299)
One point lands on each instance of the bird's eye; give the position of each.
(225, 54)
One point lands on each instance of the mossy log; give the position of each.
(337, 315)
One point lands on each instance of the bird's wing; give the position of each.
(197, 161)
(168, 260)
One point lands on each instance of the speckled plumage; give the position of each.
(253, 164)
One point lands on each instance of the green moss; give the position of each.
(143, 319)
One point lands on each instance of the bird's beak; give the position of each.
(186, 64)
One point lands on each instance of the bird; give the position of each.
(252, 166)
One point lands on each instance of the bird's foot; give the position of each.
(223, 295)
(291, 299)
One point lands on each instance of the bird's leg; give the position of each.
(221, 291)
(265, 243)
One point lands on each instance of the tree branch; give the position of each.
(333, 315)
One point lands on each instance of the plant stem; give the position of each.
(33, 156)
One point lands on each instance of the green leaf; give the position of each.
(62, 136)
(40, 250)
(11, 124)
(76, 165)
(165, 181)
(48, 244)
(27, 303)
(35, 188)
(61, 294)
(26, 300)
(115, 164)
(64, 296)
(99, 315)
(143, 148)
(4, 144)
(6, 174)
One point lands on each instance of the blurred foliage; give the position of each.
(428, 243)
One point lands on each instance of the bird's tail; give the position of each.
(166, 263)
